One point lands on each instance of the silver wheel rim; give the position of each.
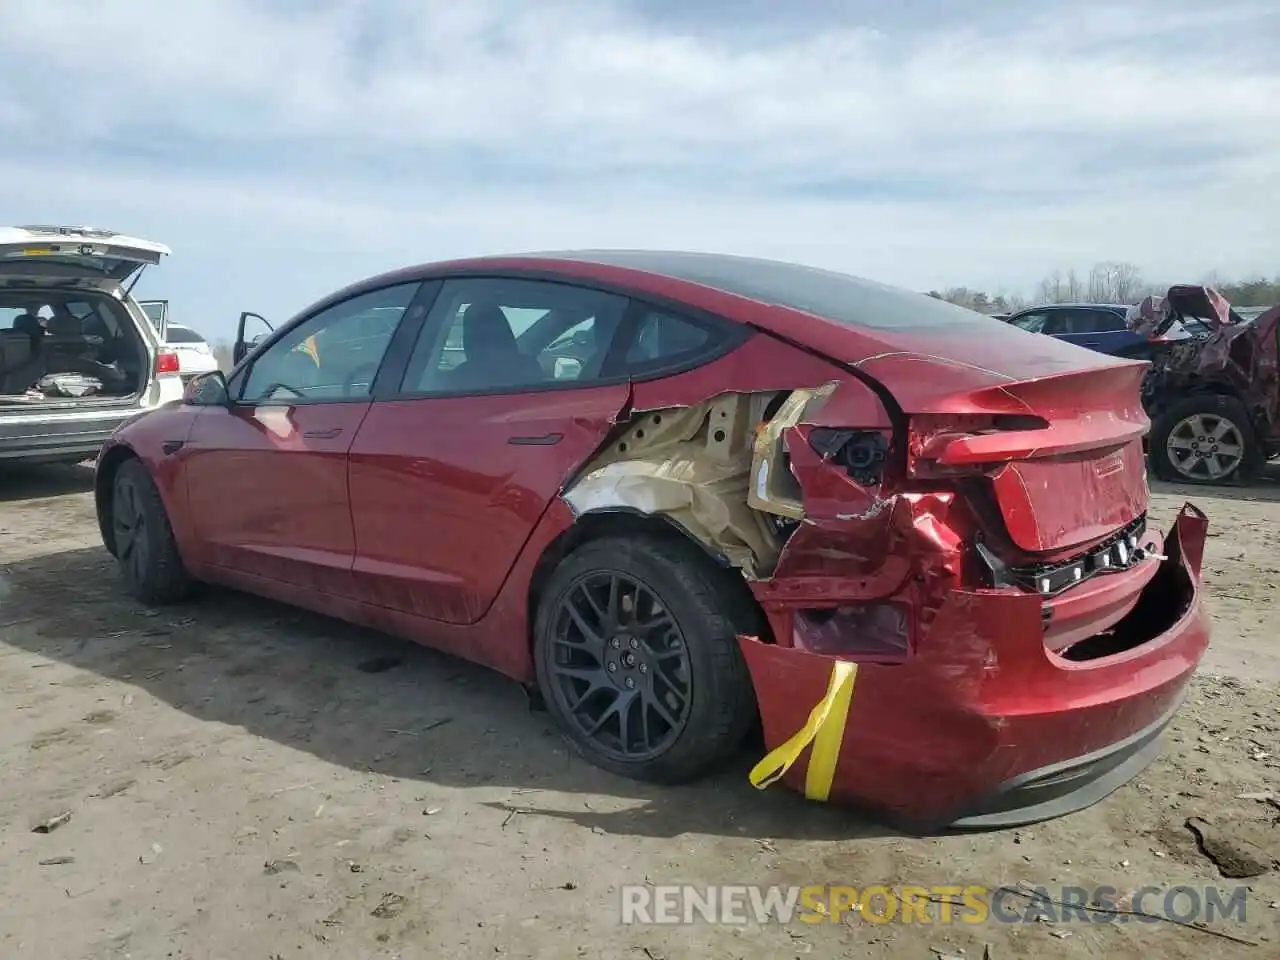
(1205, 446)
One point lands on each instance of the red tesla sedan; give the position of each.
(681, 494)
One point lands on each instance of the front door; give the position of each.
(504, 395)
(267, 475)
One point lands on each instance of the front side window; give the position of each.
(486, 335)
(1031, 322)
(333, 355)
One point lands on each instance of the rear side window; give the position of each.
(1110, 322)
(663, 339)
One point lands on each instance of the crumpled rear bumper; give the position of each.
(984, 726)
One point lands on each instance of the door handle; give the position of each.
(322, 434)
(546, 440)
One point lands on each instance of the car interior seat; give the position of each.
(66, 336)
(21, 354)
(493, 357)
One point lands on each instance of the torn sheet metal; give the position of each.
(1238, 357)
(952, 736)
(774, 488)
(1154, 315)
(693, 466)
(741, 474)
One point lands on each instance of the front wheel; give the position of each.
(635, 644)
(1206, 438)
(144, 545)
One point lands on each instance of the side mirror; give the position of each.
(207, 390)
(244, 344)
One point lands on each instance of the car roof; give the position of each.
(840, 317)
(672, 274)
(1076, 306)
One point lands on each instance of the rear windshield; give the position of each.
(845, 299)
(182, 335)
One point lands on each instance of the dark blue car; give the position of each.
(1098, 326)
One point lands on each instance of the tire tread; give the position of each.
(716, 728)
(166, 581)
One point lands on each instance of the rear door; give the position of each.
(267, 475)
(75, 252)
(1073, 325)
(511, 385)
(1113, 335)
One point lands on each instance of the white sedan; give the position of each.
(195, 355)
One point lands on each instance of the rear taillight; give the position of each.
(167, 362)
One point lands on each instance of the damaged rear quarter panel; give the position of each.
(694, 446)
(728, 453)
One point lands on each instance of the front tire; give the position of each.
(1206, 438)
(145, 549)
(636, 650)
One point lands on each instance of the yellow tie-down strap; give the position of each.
(824, 729)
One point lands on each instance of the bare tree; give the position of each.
(1115, 282)
(1051, 288)
(1074, 290)
(1099, 283)
(1128, 283)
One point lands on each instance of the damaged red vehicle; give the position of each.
(670, 491)
(1214, 401)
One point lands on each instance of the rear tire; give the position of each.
(638, 636)
(145, 549)
(1205, 438)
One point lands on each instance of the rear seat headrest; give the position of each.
(28, 324)
(65, 325)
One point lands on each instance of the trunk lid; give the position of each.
(1062, 454)
(1053, 429)
(75, 252)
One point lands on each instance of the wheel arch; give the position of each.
(1169, 394)
(109, 465)
(623, 521)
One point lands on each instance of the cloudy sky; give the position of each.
(283, 148)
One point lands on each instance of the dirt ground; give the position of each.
(410, 805)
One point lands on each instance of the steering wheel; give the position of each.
(365, 369)
(281, 386)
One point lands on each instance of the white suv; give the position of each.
(78, 355)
